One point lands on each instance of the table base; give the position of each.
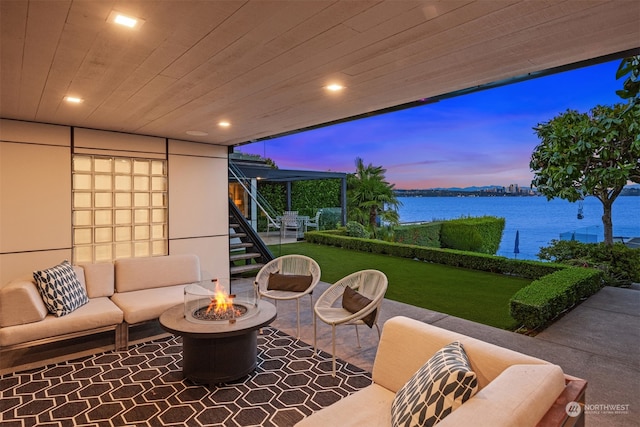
(219, 360)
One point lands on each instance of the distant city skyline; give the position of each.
(479, 139)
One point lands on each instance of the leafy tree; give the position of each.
(593, 153)
(631, 86)
(370, 196)
(630, 67)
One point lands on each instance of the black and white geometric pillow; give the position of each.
(439, 387)
(60, 289)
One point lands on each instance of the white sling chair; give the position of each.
(371, 284)
(288, 265)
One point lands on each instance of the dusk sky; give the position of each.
(484, 138)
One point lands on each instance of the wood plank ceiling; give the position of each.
(262, 65)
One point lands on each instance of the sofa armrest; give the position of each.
(20, 303)
(520, 396)
(574, 391)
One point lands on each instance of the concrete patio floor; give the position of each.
(598, 341)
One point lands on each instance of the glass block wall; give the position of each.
(119, 208)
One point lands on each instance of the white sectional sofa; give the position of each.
(123, 293)
(514, 389)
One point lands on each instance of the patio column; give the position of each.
(343, 200)
(288, 195)
(254, 205)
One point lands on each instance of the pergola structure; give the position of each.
(257, 170)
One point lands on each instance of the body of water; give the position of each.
(538, 220)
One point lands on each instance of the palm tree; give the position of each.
(370, 196)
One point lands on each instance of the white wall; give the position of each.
(199, 224)
(35, 197)
(35, 194)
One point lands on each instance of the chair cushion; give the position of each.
(60, 289)
(353, 302)
(288, 282)
(439, 387)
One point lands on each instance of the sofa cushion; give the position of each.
(133, 274)
(100, 279)
(367, 407)
(21, 303)
(148, 304)
(353, 302)
(439, 387)
(288, 282)
(97, 313)
(520, 396)
(60, 289)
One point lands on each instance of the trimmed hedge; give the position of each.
(427, 235)
(455, 258)
(556, 287)
(481, 234)
(534, 306)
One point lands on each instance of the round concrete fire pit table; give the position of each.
(218, 351)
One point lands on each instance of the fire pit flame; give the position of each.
(208, 302)
(222, 305)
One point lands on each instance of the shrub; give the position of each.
(427, 235)
(620, 264)
(544, 299)
(385, 233)
(482, 234)
(355, 229)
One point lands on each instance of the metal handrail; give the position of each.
(261, 202)
(252, 235)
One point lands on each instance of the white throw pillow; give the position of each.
(60, 289)
(439, 387)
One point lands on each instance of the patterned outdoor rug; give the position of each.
(144, 387)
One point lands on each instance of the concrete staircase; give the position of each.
(247, 252)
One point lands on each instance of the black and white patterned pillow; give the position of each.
(439, 387)
(60, 289)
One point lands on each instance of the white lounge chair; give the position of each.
(371, 284)
(298, 265)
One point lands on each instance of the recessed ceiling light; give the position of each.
(124, 20)
(196, 133)
(224, 124)
(73, 99)
(334, 87)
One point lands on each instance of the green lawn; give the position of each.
(474, 295)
